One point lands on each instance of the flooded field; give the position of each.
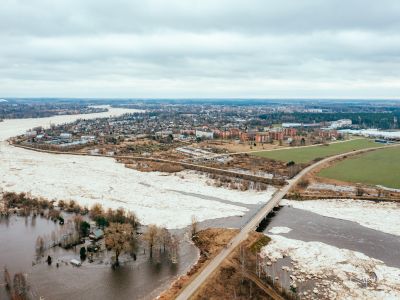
(140, 279)
(169, 201)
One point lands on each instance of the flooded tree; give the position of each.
(20, 287)
(173, 250)
(53, 238)
(118, 238)
(61, 204)
(54, 214)
(97, 214)
(39, 246)
(82, 253)
(132, 219)
(194, 226)
(150, 237)
(165, 238)
(96, 210)
(84, 228)
(122, 216)
(7, 279)
(77, 223)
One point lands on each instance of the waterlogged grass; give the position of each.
(307, 154)
(380, 167)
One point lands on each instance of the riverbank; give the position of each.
(329, 249)
(237, 276)
(209, 242)
(166, 200)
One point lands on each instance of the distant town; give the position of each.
(169, 185)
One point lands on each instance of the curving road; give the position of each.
(253, 223)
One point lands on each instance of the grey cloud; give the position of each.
(231, 48)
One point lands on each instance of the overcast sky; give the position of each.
(204, 48)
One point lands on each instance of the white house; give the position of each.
(204, 134)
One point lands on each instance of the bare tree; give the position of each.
(77, 223)
(118, 237)
(53, 237)
(7, 279)
(359, 191)
(96, 210)
(39, 246)
(150, 236)
(194, 226)
(173, 251)
(20, 287)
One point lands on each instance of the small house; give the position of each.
(96, 234)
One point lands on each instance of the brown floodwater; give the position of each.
(140, 279)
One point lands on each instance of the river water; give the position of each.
(142, 279)
(165, 200)
(307, 226)
(168, 201)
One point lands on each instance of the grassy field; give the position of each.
(380, 167)
(307, 154)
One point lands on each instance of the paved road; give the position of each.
(253, 223)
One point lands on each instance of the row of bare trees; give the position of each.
(158, 240)
(120, 228)
(103, 218)
(121, 238)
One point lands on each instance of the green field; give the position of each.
(380, 167)
(307, 154)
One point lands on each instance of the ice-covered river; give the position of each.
(156, 198)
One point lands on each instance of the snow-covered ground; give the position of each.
(279, 229)
(382, 216)
(156, 198)
(331, 187)
(339, 273)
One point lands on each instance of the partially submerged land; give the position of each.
(71, 235)
(341, 265)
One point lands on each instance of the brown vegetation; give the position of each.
(160, 238)
(118, 238)
(236, 277)
(18, 289)
(210, 242)
(151, 166)
(236, 183)
(257, 164)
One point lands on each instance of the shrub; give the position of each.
(303, 183)
(82, 253)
